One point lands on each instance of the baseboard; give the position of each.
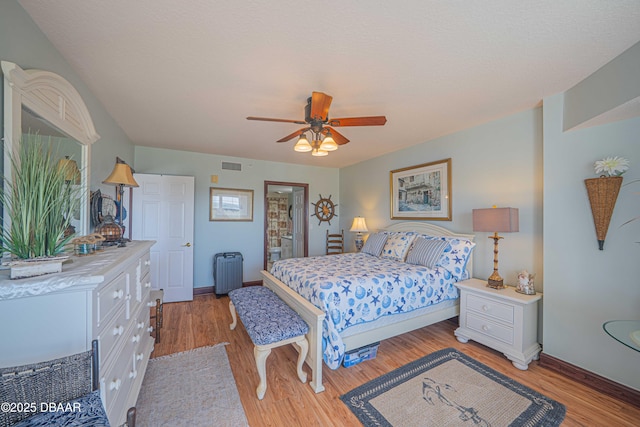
(595, 381)
(209, 289)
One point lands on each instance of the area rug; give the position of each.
(448, 388)
(193, 388)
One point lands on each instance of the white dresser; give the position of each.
(502, 319)
(105, 296)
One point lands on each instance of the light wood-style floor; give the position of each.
(288, 402)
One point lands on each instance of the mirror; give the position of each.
(44, 102)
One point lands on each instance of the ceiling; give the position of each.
(185, 74)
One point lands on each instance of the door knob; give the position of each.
(187, 244)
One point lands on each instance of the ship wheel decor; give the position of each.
(325, 209)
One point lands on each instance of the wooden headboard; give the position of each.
(432, 230)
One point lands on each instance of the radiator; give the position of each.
(227, 272)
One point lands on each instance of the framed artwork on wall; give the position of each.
(230, 204)
(422, 191)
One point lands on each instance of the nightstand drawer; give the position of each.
(490, 308)
(490, 328)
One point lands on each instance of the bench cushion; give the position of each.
(265, 316)
(84, 411)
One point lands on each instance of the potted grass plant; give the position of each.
(39, 202)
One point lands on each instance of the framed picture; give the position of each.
(230, 204)
(422, 192)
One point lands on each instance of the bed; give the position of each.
(414, 295)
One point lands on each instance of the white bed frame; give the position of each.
(314, 316)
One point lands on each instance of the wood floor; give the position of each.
(288, 402)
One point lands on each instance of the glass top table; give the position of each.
(625, 331)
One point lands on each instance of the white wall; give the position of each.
(244, 237)
(498, 163)
(585, 287)
(22, 42)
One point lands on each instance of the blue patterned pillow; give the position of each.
(426, 252)
(397, 245)
(455, 257)
(374, 244)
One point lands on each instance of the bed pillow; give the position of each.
(374, 244)
(397, 246)
(455, 257)
(426, 252)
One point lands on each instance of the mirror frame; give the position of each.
(55, 100)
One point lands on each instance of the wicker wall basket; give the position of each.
(603, 193)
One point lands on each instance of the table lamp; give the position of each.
(503, 220)
(122, 177)
(359, 226)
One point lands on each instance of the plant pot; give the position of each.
(24, 268)
(603, 193)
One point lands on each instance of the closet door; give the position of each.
(162, 210)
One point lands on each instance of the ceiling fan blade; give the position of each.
(359, 121)
(320, 103)
(293, 135)
(266, 119)
(339, 138)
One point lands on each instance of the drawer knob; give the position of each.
(485, 328)
(150, 329)
(115, 384)
(118, 294)
(151, 304)
(140, 325)
(147, 285)
(118, 330)
(135, 338)
(485, 308)
(147, 262)
(139, 356)
(133, 374)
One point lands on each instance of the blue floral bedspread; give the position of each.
(356, 288)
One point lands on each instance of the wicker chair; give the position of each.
(63, 391)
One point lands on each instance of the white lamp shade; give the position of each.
(359, 225)
(503, 220)
(319, 153)
(328, 144)
(302, 145)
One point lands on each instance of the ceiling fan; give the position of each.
(317, 121)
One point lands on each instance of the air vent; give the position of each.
(232, 166)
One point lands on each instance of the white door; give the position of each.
(299, 222)
(162, 210)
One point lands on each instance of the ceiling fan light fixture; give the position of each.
(328, 144)
(302, 146)
(318, 152)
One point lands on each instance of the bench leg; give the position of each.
(302, 346)
(260, 353)
(232, 309)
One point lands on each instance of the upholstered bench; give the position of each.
(270, 323)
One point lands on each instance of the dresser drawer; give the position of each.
(110, 298)
(112, 333)
(145, 264)
(117, 384)
(491, 308)
(490, 328)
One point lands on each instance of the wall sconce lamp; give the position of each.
(503, 220)
(121, 177)
(359, 226)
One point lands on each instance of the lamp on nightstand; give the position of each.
(503, 220)
(359, 226)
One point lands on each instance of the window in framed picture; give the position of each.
(422, 191)
(230, 204)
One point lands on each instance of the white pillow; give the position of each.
(374, 244)
(397, 246)
(426, 252)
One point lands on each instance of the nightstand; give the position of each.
(502, 319)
